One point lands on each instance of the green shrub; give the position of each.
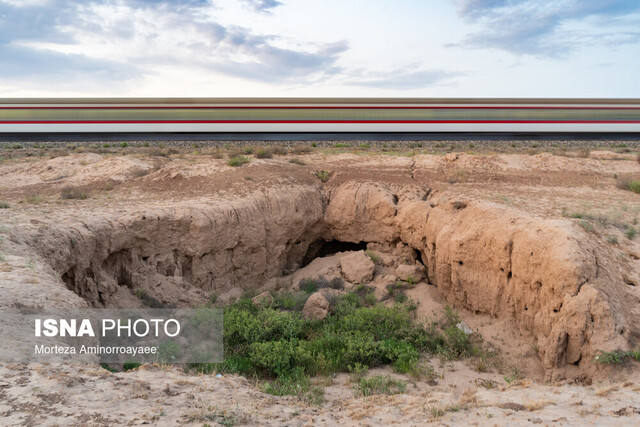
(400, 297)
(238, 161)
(612, 240)
(281, 358)
(264, 153)
(4, 205)
(635, 186)
(458, 343)
(124, 144)
(323, 175)
(128, 366)
(311, 285)
(617, 356)
(293, 301)
(278, 345)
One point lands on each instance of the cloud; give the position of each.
(540, 27)
(402, 79)
(139, 35)
(262, 6)
(21, 63)
(21, 23)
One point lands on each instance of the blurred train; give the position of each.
(302, 115)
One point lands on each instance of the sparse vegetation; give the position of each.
(628, 183)
(323, 175)
(587, 226)
(284, 349)
(4, 205)
(612, 240)
(32, 199)
(71, 192)
(297, 161)
(584, 153)
(380, 385)
(374, 257)
(264, 153)
(279, 151)
(138, 173)
(236, 161)
(617, 356)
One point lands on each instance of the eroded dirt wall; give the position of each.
(548, 275)
(206, 246)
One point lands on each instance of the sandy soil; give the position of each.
(118, 186)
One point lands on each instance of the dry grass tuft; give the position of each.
(71, 192)
(628, 183)
(537, 405)
(605, 391)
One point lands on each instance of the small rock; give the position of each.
(415, 272)
(464, 328)
(357, 267)
(264, 299)
(317, 307)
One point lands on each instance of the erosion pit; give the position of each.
(545, 274)
(538, 254)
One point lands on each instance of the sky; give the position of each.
(319, 48)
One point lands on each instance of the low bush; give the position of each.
(312, 285)
(323, 175)
(628, 183)
(264, 153)
(279, 151)
(4, 205)
(238, 161)
(32, 199)
(71, 192)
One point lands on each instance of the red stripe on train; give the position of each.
(306, 121)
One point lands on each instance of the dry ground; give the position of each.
(579, 186)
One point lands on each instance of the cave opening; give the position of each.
(321, 248)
